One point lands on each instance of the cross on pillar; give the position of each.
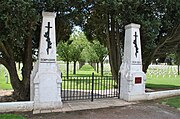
(135, 43)
(46, 35)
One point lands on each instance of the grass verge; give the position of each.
(163, 83)
(11, 116)
(173, 102)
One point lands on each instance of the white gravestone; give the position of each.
(132, 76)
(46, 76)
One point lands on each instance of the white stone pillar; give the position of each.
(46, 76)
(132, 77)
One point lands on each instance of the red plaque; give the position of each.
(138, 80)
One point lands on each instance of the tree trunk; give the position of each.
(22, 88)
(93, 65)
(11, 67)
(26, 70)
(14, 79)
(146, 64)
(67, 70)
(81, 64)
(97, 65)
(178, 69)
(147, 61)
(113, 46)
(9, 62)
(102, 68)
(74, 72)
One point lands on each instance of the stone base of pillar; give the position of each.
(130, 97)
(46, 87)
(47, 106)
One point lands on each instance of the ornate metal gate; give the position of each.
(92, 87)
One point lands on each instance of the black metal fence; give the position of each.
(92, 87)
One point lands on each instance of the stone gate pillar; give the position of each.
(132, 76)
(46, 76)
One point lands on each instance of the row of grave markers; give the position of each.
(162, 71)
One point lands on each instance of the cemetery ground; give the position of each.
(158, 78)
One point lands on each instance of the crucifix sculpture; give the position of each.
(46, 35)
(135, 43)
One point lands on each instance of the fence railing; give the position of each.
(88, 87)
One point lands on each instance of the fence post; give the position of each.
(92, 96)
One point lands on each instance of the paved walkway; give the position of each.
(87, 104)
(109, 109)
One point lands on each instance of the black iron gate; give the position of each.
(92, 87)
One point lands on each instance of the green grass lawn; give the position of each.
(85, 83)
(153, 82)
(163, 82)
(86, 70)
(84, 80)
(173, 102)
(11, 116)
(3, 84)
(162, 77)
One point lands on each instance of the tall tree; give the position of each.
(101, 52)
(159, 27)
(102, 25)
(64, 51)
(77, 46)
(18, 21)
(88, 54)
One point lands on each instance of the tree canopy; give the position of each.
(159, 22)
